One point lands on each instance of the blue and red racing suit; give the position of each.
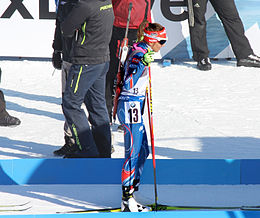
(129, 112)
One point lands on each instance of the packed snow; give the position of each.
(197, 114)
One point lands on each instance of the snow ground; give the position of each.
(211, 115)
(49, 199)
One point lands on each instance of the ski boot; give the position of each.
(129, 204)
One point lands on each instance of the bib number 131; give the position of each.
(132, 112)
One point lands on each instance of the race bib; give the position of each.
(132, 112)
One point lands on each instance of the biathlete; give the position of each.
(151, 38)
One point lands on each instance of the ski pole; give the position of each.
(150, 116)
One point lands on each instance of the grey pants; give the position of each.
(64, 76)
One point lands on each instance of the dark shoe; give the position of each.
(8, 120)
(251, 61)
(120, 128)
(204, 64)
(67, 148)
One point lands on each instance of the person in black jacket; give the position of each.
(61, 61)
(227, 12)
(90, 24)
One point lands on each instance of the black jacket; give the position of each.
(90, 23)
(60, 43)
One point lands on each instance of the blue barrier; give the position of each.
(108, 171)
(250, 171)
(173, 214)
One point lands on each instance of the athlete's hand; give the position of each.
(148, 58)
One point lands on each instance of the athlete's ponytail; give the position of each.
(140, 32)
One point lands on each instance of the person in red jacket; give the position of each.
(141, 11)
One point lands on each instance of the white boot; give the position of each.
(131, 205)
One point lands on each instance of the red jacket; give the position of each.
(140, 11)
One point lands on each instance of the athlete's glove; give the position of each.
(148, 58)
(56, 60)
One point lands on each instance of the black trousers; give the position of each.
(228, 14)
(117, 36)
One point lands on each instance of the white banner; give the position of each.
(27, 28)
(166, 12)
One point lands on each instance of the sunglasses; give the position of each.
(162, 42)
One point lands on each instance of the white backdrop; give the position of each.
(33, 37)
(26, 37)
